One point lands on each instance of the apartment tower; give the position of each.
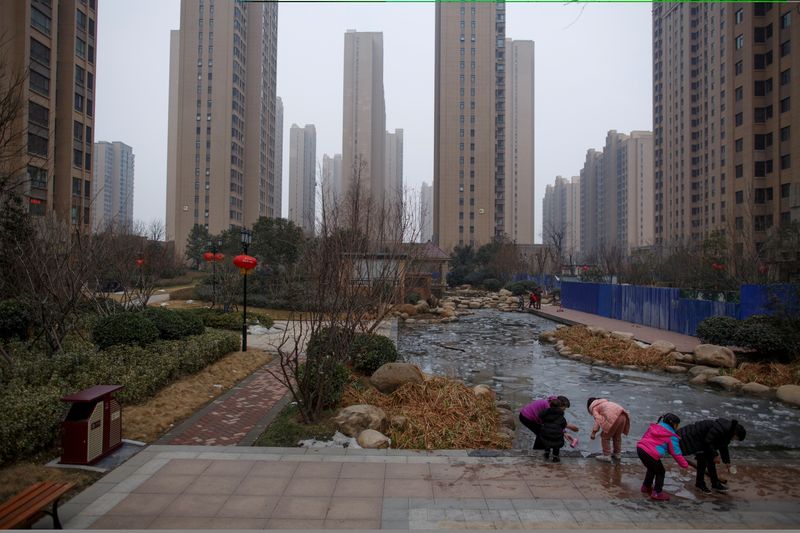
(49, 49)
(723, 120)
(393, 167)
(112, 186)
(561, 216)
(331, 181)
(364, 114)
(426, 212)
(520, 146)
(222, 134)
(302, 176)
(469, 124)
(277, 197)
(591, 175)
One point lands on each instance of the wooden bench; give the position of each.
(29, 505)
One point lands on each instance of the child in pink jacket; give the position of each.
(659, 439)
(614, 421)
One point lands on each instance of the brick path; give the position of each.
(683, 343)
(229, 419)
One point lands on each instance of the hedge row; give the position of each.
(772, 338)
(32, 412)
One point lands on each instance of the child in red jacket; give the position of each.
(659, 439)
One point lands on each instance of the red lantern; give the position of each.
(139, 262)
(246, 263)
(208, 256)
(763, 269)
(585, 268)
(218, 257)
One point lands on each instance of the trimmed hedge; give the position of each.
(173, 325)
(368, 352)
(124, 328)
(219, 319)
(771, 338)
(32, 412)
(521, 287)
(492, 284)
(335, 378)
(718, 330)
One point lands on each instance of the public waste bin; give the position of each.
(93, 426)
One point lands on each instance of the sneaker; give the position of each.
(616, 456)
(646, 489)
(659, 496)
(703, 489)
(719, 487)
(603, 458)
(556, 459)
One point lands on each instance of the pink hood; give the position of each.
(605, 413)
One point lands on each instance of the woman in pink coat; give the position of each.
(614, 421)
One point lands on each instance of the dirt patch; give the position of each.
(16, 478)
(769, 374)
(148, 421)
(609, 349)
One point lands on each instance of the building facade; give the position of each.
(725, 153)
(223, 63)
(331, 182)
(364, 114)
(425, 212)
(302, 176)
(112, 186)
(49, 48)
(520, 183)
(591, 175)
(277, 198)
(561, 216)
(393, 167)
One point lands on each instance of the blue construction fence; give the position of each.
(665, 308)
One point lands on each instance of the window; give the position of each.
(37, 144)
(786, 76)
(763, 195)
(762, 141)
(761, 8)
(40, 21)
(88, 135)
(38, 177)
(80, 76)
(738, 68)
(39, 83)
(91, 54)
(89, 107)
(739, 16)
(761, 34)
(786, 134)
(739, 173)
(762, 168)
(763, 87)
(76, 186)
(786, 161)
(762, 222)
(77, 158)
(786, 48)
(739, 197)
(786, 20)
(88, 161)
(785, 105)
(90, 82)
(739, 145)
(785, 189)
(77, 131)
(762, 114)
(38, 114)
(738, 221)
(739, 43)
(738, 94)
(80, 47)
(78, 102)
(40, 53)
(80, 18)
(738, 119)
(91, 27)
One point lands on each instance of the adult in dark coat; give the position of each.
(705, 440)
(551, 434)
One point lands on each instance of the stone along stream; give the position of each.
(501, 350)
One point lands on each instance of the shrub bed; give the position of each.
(232, 320)
(772, 339)
(368, 352)
(521, 287)
(30, 419)
(14, 320)
(174, 325)
(124, 328)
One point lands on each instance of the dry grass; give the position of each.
(18, 477)
(769, 374)
(148, 421)
(609, 349)
(442, 414)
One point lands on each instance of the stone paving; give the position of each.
(191, 487)
(683, 343)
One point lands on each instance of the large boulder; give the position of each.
(683, 357)
(674, 369)
(756, 388)
(662, 347)
(597, 330)
(398, 422)
(700, 379)
(505, 292)
(483, 390)
(702, 369)
(729, 383)
(422, 307)
(622, 335)
(391, 376)
(789, 394)
(369, 438)
(354, 419)
(406, 309)
(506, 419)
(713, 355)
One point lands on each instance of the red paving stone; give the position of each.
(683, 343)
(229, 421)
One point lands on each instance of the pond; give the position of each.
(501, 350)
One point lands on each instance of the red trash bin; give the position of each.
(93, 427)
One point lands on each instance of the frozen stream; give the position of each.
(501, 350)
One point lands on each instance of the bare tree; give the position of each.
(555, 235)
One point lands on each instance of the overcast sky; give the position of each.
(593, 74)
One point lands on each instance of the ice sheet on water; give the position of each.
(677, 401)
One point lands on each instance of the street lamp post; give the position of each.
(245, 264)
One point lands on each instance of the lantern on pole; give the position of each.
(208, 257)
(245, 263)
(139, 263)
(218, 257)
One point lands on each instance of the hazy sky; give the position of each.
(593, 74)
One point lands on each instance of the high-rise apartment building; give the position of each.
(723, 120)
(112, 186)
(591, 175)
(223, 62)
(302, 176)
(469, 175)
(364, 113)
(49, 47)
(277, 201)
(425, 212)
(519, 188)
(561, 216)
(331, 182)
(393, 167)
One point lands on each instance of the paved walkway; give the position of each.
(190, 487)
(683, 343)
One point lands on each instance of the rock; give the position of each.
(559, 345)
(683, 357)
(507, 419)
(398, 422)
(392, 375)
(789, 394)
(599, 362)
(511, 301)
(474, 305)
(369, 438)
(756, 388)
(502, 404)
(701, 369)
(725, 382)
(630, 367)
(483, 390)
(675, 369)
(411, 320)
(560, 326)
(506, 433)
(546, 336)
(354, 419)
(565, 352)
(505, 292)
(422, 306)
(448, 312)
(699, 379)
(586, 359)
(596, 330)
(622, 335)
(576, 357)
(662, 347)
(712, 355)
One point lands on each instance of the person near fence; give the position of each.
(659, 439)
(613, 421)
(708, 440)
